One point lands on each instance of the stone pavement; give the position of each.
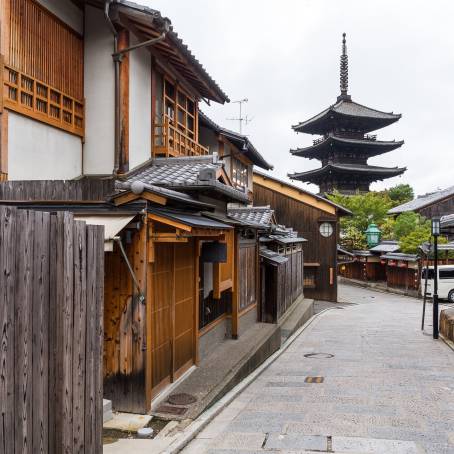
(389, 388)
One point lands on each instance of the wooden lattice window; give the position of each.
(240, 173)
(181, 109)
(43, 75)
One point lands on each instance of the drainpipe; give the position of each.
(117, 87)
(117, 58)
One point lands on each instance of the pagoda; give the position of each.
(345, 144)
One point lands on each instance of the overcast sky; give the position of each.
(284, 57)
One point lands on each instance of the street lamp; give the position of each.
(435, 234)
(372, 235)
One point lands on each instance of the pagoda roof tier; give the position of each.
(346, 114)
(367, 147)
(364, 171)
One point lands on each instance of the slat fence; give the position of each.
(51, 330)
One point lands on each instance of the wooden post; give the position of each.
(5, 31)
(196, 300)
(235, 296)
(123, 43)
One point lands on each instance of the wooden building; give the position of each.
(438, 203)
(99, 93)
(279, 276)
(316, 220)
(102, 108)
(402, 271)
(345, 144)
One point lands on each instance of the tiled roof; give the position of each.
(400, 256)
(350, 109)
(138, 187)
(241, 141)
(365, 146)
(423, 201)
(373, 171)
(150, 17)
(258, 216)
(184, 174)
(386, 246)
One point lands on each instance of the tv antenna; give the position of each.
(240, 118)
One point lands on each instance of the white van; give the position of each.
(445, 282)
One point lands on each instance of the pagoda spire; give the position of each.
(344, 69)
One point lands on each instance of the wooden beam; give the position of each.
(123, 43)
(164, 220)
(168, 238)
(130, 197)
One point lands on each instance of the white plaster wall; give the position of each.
(37, 151)
(139, 106)
(99, 95)
(67, 12)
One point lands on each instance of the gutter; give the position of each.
(117, 57)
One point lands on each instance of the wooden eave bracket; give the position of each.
(146, 195)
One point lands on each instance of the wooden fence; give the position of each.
(51, 331)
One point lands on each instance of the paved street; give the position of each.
(388, 388)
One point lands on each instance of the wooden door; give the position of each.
(173, 309)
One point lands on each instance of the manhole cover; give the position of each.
(181, 399)
(318, 355)
(314, 379)
(171, 410)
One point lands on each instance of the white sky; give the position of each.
(284, 57)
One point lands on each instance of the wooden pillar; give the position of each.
(235, 293)
(153, 108)
(196, 300)
(5, 26)
(123, 43)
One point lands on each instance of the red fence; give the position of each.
(51, 331)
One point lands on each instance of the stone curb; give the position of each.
(190, 432)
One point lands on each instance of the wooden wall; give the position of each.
(248, 274)
(46, 49)
(85, 189)
(124, 327)
(441, 208)
(51, 306)
(306, 220)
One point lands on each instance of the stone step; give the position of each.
(107, 410)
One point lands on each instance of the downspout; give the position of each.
(117, 87)
(117, 58)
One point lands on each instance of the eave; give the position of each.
(365, 147)
(147, 23)
(347, 114)
(366, 172)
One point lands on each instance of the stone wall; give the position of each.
(447, 323)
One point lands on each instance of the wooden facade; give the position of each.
(281, 283)
(305, 212)
(151, 343)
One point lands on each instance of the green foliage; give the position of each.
(353, 239)
(402, 193)
(409, 229)
(366, 208)
(409, 222)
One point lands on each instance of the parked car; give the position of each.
(445, 281)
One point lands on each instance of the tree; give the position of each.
(353, 239)
(402, 193)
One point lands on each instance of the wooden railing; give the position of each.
(168, 141)
(42, 102)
